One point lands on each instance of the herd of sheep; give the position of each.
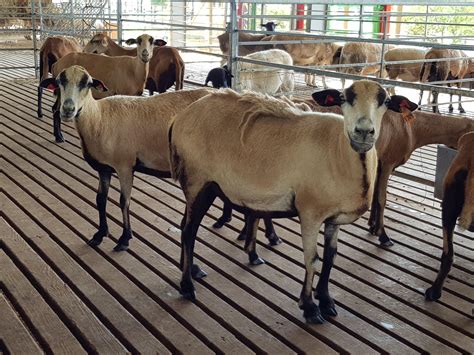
(325, 159)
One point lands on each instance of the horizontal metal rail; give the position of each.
(406, 84)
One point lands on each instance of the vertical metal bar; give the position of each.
(234, 50)
(40, 12)
(426, 22)
(119, 22)
(361, 24)
(71, 12)
(33, 30)
(384, 36)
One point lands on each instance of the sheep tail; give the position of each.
(179, 75)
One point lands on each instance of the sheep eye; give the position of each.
(387, 101)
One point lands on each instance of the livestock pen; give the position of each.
(60, 295)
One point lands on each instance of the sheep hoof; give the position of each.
(220, 222)
(386, 242)
(461, 110)
(450, 110)
(197, 273)
(328, 309)
(313, 315)
(241, 236)
(187, 291)
(97, 238)
(254, 259)
(60, 139)
(432, 294)
(40, 115)
(273, 239)
(120, 247)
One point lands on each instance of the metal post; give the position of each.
(40, 12)
(385, 20)
(33, 27)
(119, 22)
(361, 24)
(71, 2)
(234, 50)
(426, 21)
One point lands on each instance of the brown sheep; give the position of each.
(224, 153)
(166, 65)
(458, 201)
(53, 49)
(122, 75)
(121, 134)
(446, 70)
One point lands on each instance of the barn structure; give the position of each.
(58, 294)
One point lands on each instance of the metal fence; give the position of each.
(193, 27)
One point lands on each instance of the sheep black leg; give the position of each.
(270, 233)
(435, 102)
(373, 208)
(40, 102)
(452, 205)
(101, 200)
(326, 303)
(460, 108)
(251, 226)
(421, 98)
(226, 216)
(381, 197)
(309, 232)
(57, 128)
(195, 214)
(126, 182)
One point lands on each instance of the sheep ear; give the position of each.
(131, 41)
(397, 103)
(49, 84)
(160, 42)
(330, 97)
(98, 85)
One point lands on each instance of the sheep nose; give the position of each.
(68, 107)
(364, 133)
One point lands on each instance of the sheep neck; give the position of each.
(89, 121)
(430, 128)
(141, 71)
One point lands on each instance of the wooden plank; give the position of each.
(127, 324)
(14, 334)
(53, 333)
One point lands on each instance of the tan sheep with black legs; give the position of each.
(53, 49)
(122, 75)
(319, 167)
(119, 134)
(446, 70)
(458, 202)
(166, 65)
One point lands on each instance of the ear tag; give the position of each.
(51, 87)
(407, 115)
(329, 100)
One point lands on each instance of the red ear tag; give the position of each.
(404, 104)
(51, 87)
(329, 100)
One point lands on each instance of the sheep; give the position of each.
(224, 41)
(265, 79)
(270, 26)
(398, 139)
(407, 72)
(361, 52)
(118, 134)
(51, 51)
(446, 70)
(220, 77)
(123, 75)
(458, 201)
(250, 133)
(166, 64)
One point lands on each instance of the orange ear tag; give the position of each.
(407, 115)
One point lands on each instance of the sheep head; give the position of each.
(145, 44)
(73, 87)
(363, 105)
(98, 44)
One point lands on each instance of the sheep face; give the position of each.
(73, 85)
(363, 105)
(145, 45)
(98, 44)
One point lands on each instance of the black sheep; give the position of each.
(220, 77)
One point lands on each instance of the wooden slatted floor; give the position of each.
(59, 295)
